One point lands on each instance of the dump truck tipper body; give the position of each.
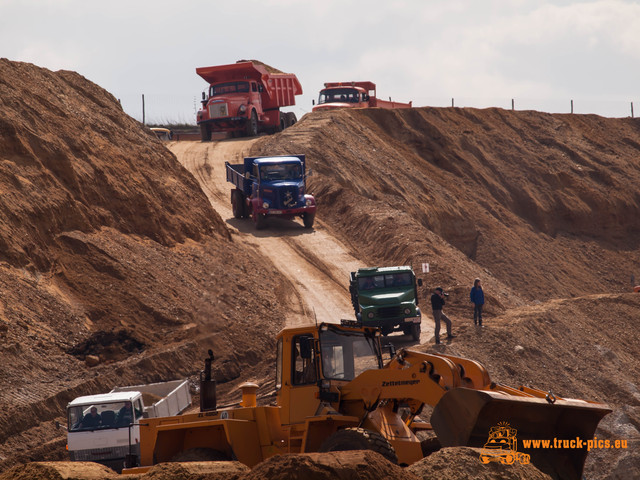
(387, 297)
(110, 433)
(353, 95)
(335, 392)
(244, 98)
(271, 186)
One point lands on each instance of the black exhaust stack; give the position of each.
(208, 399)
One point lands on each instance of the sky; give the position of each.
(472, 53)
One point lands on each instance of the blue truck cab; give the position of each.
(271, 186)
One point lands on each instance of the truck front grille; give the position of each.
(288, 197)
(101, 454)
(390, 312)
(218, 110)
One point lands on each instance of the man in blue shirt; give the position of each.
(477, 298)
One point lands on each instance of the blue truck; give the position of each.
(271, 186)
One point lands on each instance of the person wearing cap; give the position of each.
(92, 419)
(437, 303)
(477, 298)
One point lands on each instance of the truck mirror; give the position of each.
(306, 347)
(419, 282)
(204, 96)
(313, 102)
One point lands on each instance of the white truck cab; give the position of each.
(104, 428)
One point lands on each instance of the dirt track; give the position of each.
(315, 262)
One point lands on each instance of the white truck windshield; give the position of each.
(103, 415)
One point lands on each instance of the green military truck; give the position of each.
(387, 297)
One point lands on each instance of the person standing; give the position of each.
(437, 303)
(477, 298)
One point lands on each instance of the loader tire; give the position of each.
(359, 439)
(201, 454)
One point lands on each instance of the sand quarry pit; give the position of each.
(118, 247)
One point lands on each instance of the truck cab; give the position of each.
(271, 186)
(245, 98)
(104, 428)
(228, 106)
(352, 95)
(387, 297)
(342, 97)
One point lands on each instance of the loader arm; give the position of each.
(467, 404)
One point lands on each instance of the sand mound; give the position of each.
(109, 251)
(462, 463)
(59, 471)
(352, 465)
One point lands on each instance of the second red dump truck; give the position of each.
(353, 95)
(245, 98)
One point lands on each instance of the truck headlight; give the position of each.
(242, 109)
(308, 202)
(265, 205)
(407, 311)
(370, 315)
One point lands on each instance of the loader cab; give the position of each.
(311, 359)
(346, 353)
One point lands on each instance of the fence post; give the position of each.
(571, 106)
(143, 119)
(631, 109)
(513, 105)
(452, 102)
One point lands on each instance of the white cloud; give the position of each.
(485, 52)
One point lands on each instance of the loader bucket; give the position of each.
(464, 417)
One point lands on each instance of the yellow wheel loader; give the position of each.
(335, 392)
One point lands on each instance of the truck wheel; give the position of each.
(359, 439)
(415, 331)
(252, 124)
(307, 219)
(205, 132)
(292, 119)
(200, 454)
(237, 204)
(259, 220)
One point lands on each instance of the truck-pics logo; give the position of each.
(502, 446)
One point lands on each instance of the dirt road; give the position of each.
(315, 262)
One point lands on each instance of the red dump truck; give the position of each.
(352, 95)
(245, 98)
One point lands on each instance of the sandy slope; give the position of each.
(315, 262)
(110, 247)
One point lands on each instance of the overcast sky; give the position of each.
(482, 53)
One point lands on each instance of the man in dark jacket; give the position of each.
(477, 298)
(437, 303)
